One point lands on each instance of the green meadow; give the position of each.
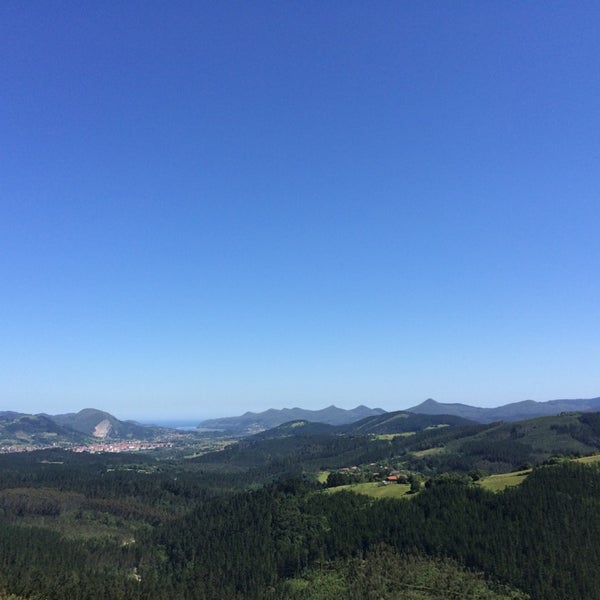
(322, 476)
(499, 482)
(374, 489)
(587, 460)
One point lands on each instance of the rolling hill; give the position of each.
(102, 425)
(387, 423)
(402, 421)
(22, 430)
(433, 445)
(19, 430)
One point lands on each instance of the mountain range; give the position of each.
(428, 444)
(89, 424)
(397, 422)
(251, 422)
(516, 411)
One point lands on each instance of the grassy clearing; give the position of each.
(586, 460)
(375, 489)
(497, 483)
(429, 451)
(322, 476)
(391, 436)
(494, 483)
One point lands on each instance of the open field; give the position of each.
(374, 489)
(391, 436)
(322, 477)
(499, 482)
(428, 452)
(586, 460)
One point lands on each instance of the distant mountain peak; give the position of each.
(430, 402)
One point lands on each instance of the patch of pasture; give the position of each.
(322, 477)
(391, 436)
(499, 482)
(586, 460)
(374, 489)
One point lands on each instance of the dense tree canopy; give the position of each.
(99, 527)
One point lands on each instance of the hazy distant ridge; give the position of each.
(527, 409)
(332, 415)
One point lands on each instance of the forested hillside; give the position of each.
(170, 534)
(432, 447)
(253, 522)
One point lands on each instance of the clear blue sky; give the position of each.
(214, 207)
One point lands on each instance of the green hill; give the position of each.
(439, 446)
(18, 430)
(102, 425)
(21, 430)
(402, 421)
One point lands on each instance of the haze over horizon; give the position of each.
(213, 208)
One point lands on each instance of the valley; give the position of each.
(454, 503)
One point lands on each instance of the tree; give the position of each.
(415, 483)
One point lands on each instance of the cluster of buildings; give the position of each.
(13, 449)
(120, 446)
(115, 446)
(374, 472)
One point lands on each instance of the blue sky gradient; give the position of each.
(208, 208)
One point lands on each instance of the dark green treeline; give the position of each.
(541, 537)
